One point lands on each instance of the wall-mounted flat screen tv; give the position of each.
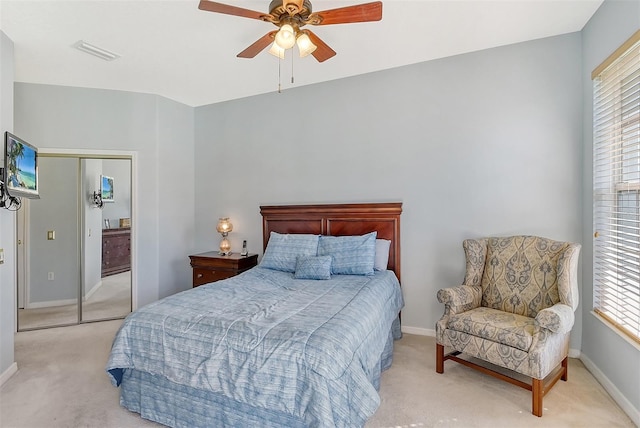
(20, 167)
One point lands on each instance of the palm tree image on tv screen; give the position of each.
(21, 166)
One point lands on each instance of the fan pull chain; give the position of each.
(279, 77)
(292, 57)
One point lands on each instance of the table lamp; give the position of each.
(224, 227)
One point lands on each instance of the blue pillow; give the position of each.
(283, 250)
(351, 255)
(313, 267)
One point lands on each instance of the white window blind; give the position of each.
(616, 181)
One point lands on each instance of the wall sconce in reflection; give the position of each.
(224, 227)
(96, 200)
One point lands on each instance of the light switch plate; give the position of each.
(1, 256)
(51, 235)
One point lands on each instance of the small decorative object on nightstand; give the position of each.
(211, 266)
(224, 227)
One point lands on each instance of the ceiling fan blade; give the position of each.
(258, 45)
(323, 52)
(211, 6)
(344, 15)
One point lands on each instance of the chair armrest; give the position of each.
(558, 318)
(460, 299)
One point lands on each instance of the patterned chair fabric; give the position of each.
(516, 306)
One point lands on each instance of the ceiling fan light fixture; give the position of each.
(276, 50)
(305, 45)
(290, 16)
(286, 37)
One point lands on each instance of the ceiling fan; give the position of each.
(290, 16)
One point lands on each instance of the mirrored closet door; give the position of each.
(74, 243)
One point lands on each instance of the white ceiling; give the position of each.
(173, 49)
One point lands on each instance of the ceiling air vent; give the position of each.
(95, 51)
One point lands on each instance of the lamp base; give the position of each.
(225, 246)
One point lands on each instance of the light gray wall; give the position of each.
(619, 361)
(7, 219)
(56, 210)
(93, 119)
(120, 171)
(175, 195)
(481, 144)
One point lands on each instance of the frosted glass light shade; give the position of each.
(286, 37)
(276, 50)
(305, 45)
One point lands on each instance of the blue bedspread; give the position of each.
(310, 349)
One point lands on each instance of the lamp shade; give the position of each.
(224, 226)
(276, 50)
(286, 37)
(305, 45)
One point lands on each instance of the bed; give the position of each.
(271, 347)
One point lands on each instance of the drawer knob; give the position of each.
(199, 275)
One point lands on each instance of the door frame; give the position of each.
(22, 271)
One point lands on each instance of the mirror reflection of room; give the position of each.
(72, 267)
(109, 294)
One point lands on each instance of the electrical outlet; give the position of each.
(50, 276)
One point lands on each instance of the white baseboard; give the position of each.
(613, 391)
(51, 303)
(419, 331)
(13, 368)
(65, 302)
(93, 290)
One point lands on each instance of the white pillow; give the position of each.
(382, 254)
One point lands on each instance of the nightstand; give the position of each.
(211, 266)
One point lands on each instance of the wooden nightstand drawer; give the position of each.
(211, 267)
(204, 276)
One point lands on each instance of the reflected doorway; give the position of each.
(74, 249)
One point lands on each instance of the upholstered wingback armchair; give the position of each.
(515, 310)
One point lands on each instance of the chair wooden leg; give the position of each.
(537, 394)
(439, 358)
(565, 369)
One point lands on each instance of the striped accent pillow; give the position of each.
(351, 255)
(283, 250)
(313, 267)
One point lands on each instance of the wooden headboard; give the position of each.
(337, 220)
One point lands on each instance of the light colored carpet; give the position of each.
(61, 382)
(111, 300)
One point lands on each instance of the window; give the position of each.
(616, 181)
